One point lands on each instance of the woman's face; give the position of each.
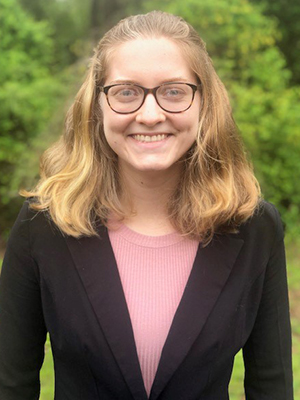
(150, 139)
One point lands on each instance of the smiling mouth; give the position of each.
(148, 138)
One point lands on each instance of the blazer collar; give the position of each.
(96, 265)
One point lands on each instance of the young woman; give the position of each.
(145, 250)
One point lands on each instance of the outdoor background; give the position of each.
(255, 47)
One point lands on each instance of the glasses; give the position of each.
(173, 97)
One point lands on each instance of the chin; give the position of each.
(157, 168)
(153, 167)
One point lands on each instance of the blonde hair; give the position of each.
(79, 175)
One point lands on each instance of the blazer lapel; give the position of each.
(209, 274)
(96, 265)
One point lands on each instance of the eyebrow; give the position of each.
(133, 82)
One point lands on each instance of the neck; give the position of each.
(147, 195)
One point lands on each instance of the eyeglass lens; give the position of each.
(173, 97)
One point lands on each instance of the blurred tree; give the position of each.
(69, 20)
(287, 13)
(106, 13)
(242, 42)
(78, 25)
(28, 92)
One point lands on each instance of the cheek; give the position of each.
(112, 126)
(115, 127)
(195, 120)
(189, 125)
(112, 140)
(113, 123)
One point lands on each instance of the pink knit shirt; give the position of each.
(154, 271)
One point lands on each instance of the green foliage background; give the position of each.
(255, 47)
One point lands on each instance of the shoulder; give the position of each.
(19, 257)
(32, 225)
(31, 217)
(264, 227)
(266, 215)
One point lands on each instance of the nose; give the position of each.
(150, 113)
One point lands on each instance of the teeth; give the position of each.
(145, 138)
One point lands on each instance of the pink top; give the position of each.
(154, 271)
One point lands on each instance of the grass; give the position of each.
(236, 385)
(293, 257)
(47, 375)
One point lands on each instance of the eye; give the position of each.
(173, 92)
(125, 93)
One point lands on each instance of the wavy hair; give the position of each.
(80, 183)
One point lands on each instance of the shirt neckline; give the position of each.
(146, 240)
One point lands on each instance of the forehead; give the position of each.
(155, 59)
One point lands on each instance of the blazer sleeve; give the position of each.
(22, 328)
(267, 352)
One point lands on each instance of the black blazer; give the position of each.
(236, 297)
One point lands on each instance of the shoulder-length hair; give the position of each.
(79, 182)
